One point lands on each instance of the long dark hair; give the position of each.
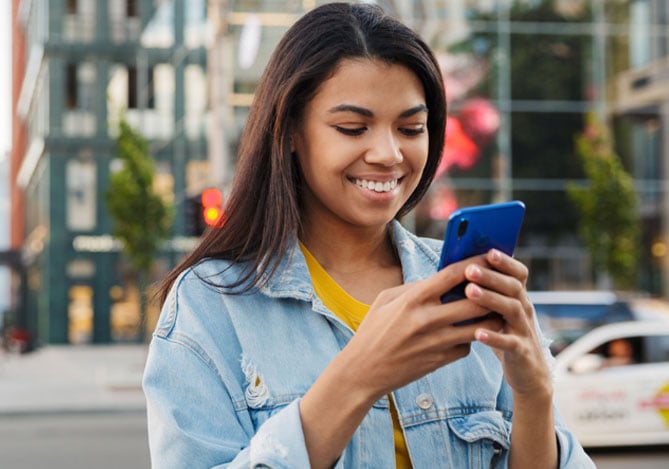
(263, 208)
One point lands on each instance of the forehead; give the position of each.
(370, 83)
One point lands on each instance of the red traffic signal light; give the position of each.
(212, 206)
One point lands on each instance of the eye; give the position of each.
(413, 131)
(354, 132)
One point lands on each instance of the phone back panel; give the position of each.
(475, 230)
(487, 226)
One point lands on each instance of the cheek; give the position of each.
(417, 155)
(315, 174)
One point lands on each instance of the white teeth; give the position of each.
(377, 186)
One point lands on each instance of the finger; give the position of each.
(496, 281)
(512, 309)
(449, 277)
(491, 321)
(467, 314)
(436, 317)
(391, 294)
(497, 340)
(501, 283)
(507, 264)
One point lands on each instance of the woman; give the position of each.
(254, 361)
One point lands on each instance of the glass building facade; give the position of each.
(520, 77)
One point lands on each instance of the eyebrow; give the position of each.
(367, 113)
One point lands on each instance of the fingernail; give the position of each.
(474, 290)
(495, 255)
(481, 335)
(473, 272)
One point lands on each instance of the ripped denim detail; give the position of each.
(264, 445)
(256, 393)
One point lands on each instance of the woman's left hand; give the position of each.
(502, 288)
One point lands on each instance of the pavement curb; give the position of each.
(61, 412)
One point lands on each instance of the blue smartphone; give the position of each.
(475, 230)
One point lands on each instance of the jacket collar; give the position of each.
(418, 256)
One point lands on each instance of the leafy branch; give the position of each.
(141, 218)
(609, 222)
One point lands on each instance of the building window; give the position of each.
(81, 195)
(71, 86)
(131, 9)
(80, 314)
(149, 87)
(71, 7)
(134, 89)
(640, 39)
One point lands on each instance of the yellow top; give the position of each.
(352, 312)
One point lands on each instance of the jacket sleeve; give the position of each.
(193, 420)
(571, 452)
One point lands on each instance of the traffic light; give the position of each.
(203, 210)
(212, 206)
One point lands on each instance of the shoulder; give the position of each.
(196, 296)
(202, 278)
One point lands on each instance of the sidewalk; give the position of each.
(73, 378)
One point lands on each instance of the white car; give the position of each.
(612, 384)
(565, 316)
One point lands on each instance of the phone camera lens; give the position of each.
(462, 228)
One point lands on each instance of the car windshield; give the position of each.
(564, 323)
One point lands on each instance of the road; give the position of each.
(118, 440)
(637, 458)
(74, 441)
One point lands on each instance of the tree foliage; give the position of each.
(610, 222)
(141, 218)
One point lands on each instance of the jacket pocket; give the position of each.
(484, 437)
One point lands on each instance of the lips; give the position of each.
(377, 186)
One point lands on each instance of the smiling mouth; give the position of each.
(377, 186)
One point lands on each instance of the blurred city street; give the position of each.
(78, 407)
(537, 92)
(73, 407)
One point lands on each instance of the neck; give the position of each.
(350, 251)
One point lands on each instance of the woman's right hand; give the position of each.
(409, 333)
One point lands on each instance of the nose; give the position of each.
(385, 150)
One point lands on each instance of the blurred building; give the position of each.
(642, 103)
(519, 75)
(78, 66)
(17, 153)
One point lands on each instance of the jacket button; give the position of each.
(424, 401)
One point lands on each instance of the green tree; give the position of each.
(610, 222)
(141, 218)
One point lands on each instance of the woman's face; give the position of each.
(362, 145)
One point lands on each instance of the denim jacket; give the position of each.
(225, 374)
